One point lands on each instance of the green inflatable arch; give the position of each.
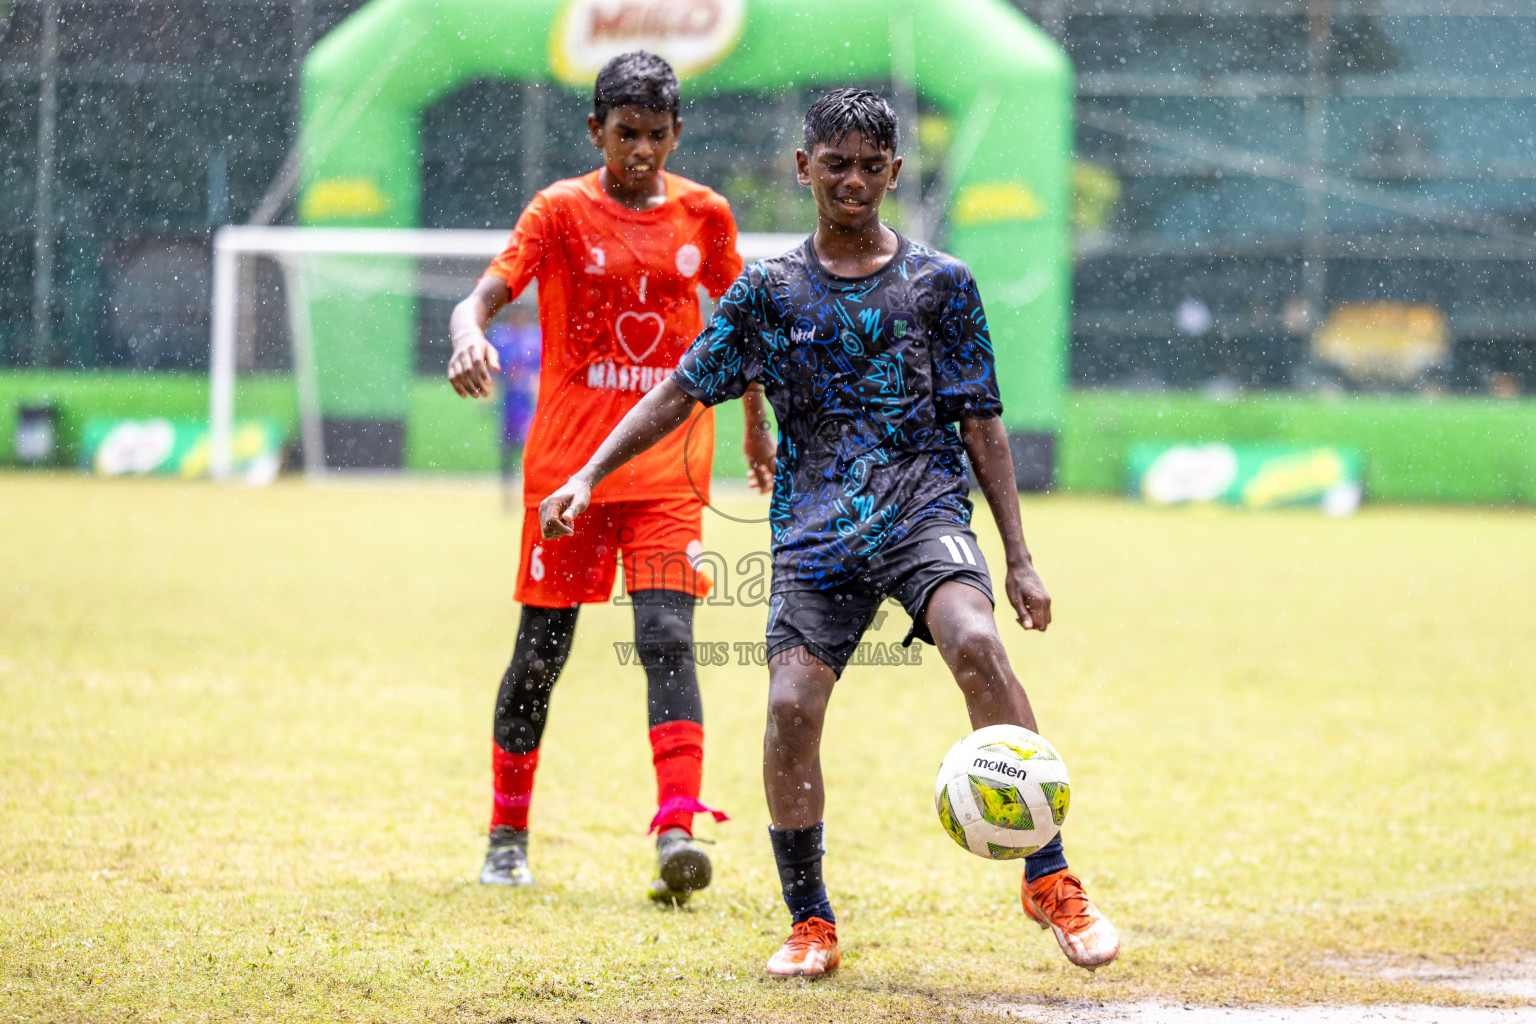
(1006, 85)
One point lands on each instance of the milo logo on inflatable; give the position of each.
(691, 34)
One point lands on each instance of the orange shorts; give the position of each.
(657, 541)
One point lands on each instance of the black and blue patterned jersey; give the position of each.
(867, 377)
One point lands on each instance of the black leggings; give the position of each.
(663, 642)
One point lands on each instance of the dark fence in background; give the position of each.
(128, 132)
(1273, 161)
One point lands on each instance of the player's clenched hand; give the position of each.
(470, 369)
(1031, 603)
(558, 512)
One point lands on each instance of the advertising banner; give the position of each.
(140, 447)
(1251, 476)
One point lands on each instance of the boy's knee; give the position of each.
(786, 707)
(663, 629)
(977, 646)
(793, 710)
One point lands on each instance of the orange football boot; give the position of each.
(1058, 902)
(810, 950)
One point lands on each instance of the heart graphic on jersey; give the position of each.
(636, 329)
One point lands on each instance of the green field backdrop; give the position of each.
(245, 746)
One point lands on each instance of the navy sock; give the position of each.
(1047, 860)
(798, 853)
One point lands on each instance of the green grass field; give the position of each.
(244, 769)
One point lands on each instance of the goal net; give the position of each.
(337, 323)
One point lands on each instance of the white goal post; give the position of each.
(295, 248)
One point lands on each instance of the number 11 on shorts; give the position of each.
(956, 547)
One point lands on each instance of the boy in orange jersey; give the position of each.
(619, 255)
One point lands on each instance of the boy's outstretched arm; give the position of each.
(661, 411)
(986, 442)
(474, 358)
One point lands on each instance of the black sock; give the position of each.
(1047, 860)
(798, 853)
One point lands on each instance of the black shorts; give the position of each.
(829, 623)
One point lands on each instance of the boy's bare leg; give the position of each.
(799, 686)
(960, 618)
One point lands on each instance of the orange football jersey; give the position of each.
(618, 306)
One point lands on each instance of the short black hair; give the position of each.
(843, 111)
(636, 78)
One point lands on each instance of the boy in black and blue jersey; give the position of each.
(875, 354)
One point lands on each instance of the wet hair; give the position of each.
(844, 111)
(638, 79)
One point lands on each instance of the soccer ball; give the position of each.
(1002, 792)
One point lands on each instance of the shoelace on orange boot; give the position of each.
(810, 933)
(1064, 901)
